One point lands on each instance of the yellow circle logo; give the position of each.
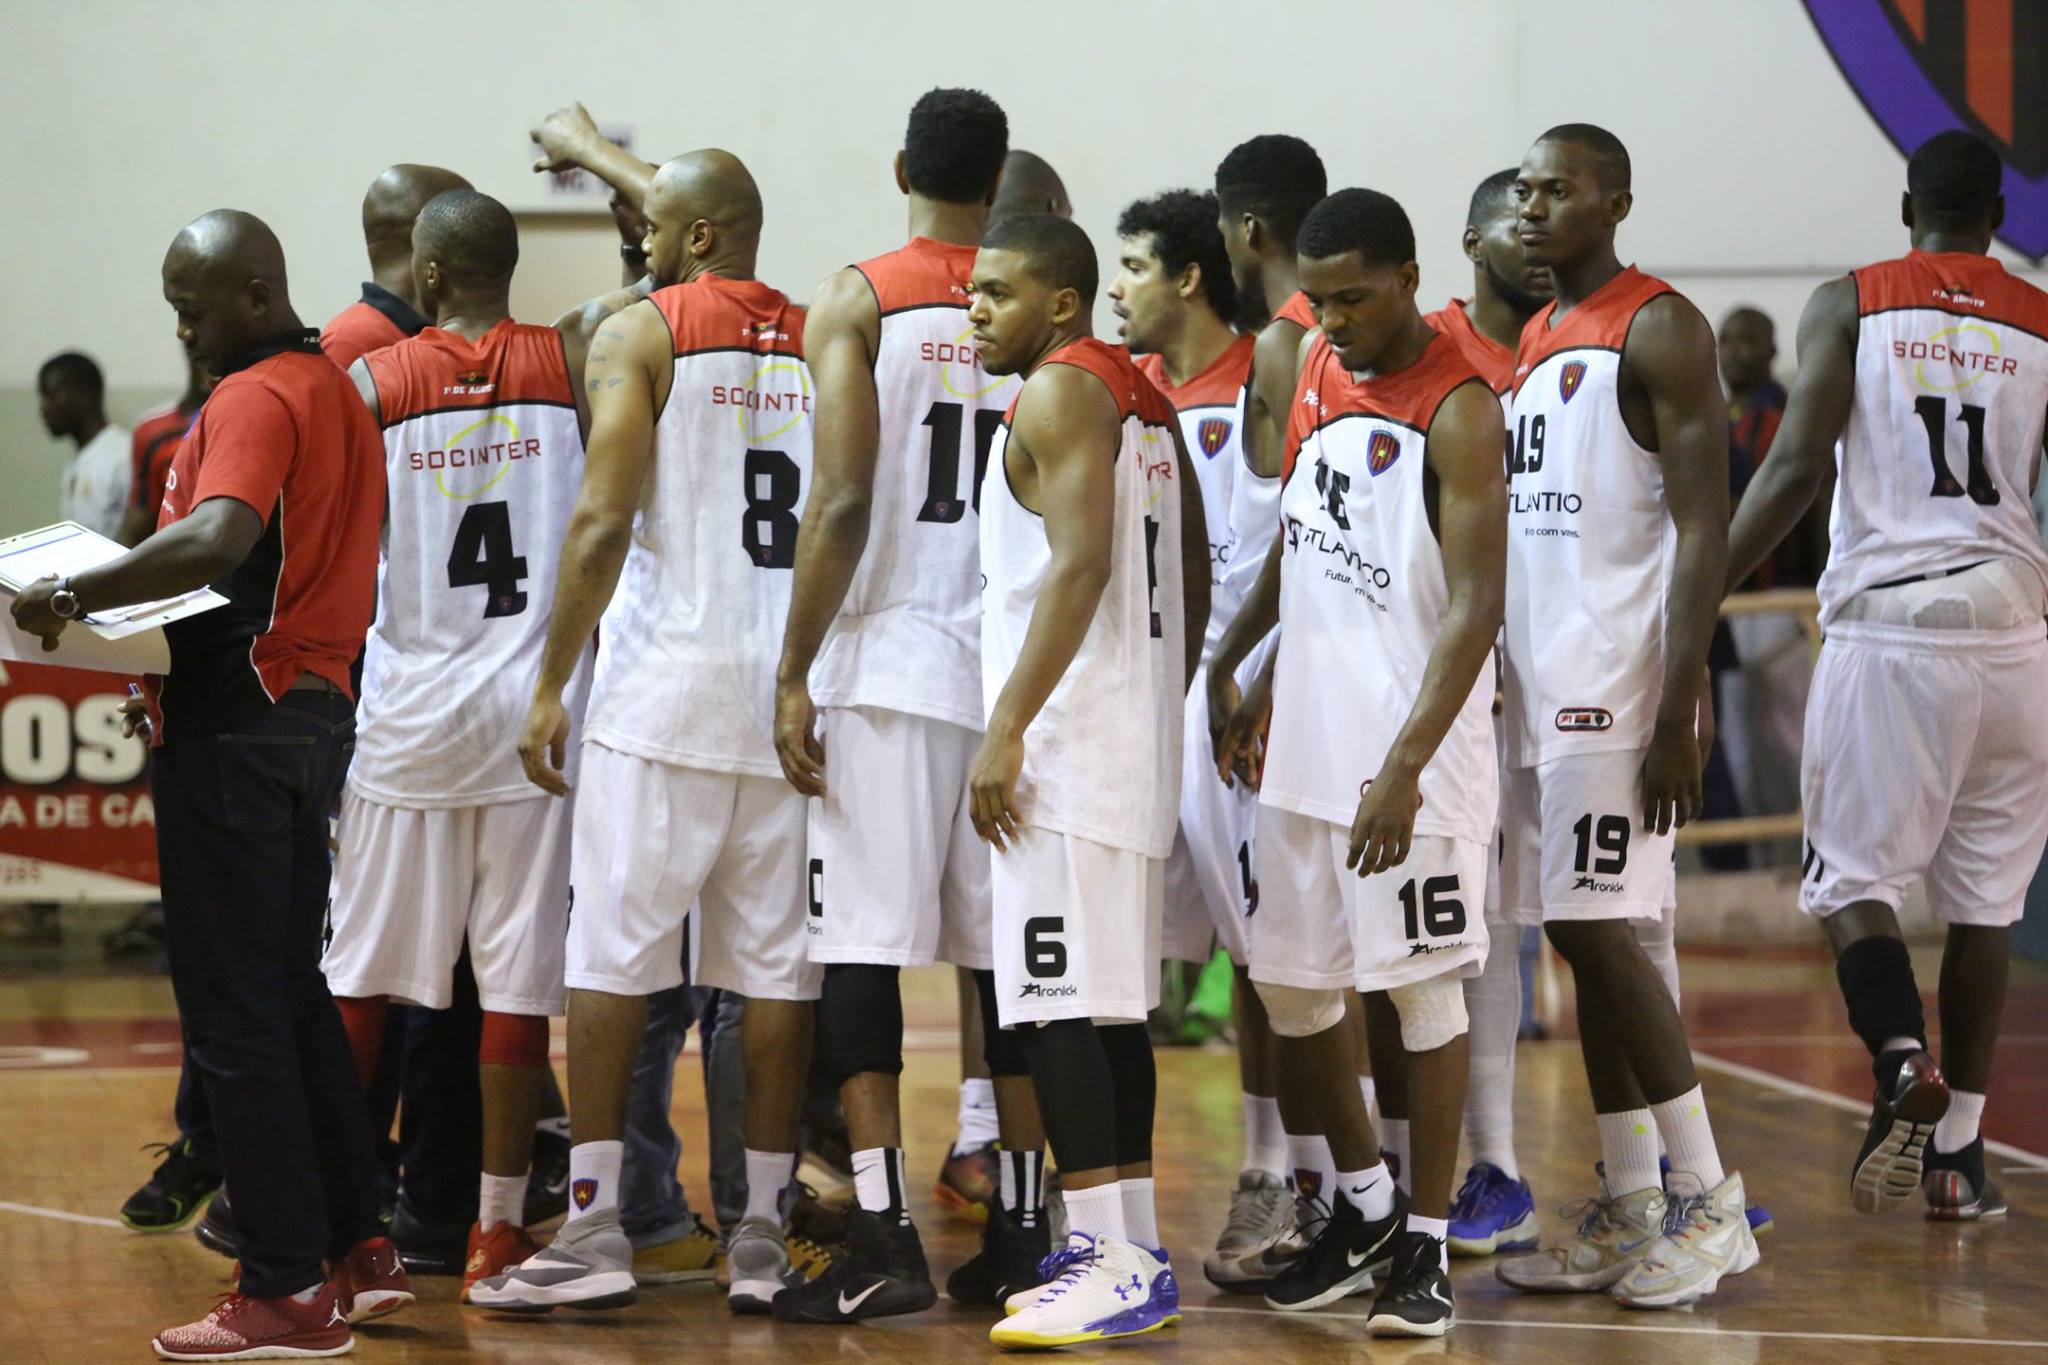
(946, 372)
(455, 442)
(1919, 366)
(748, 412)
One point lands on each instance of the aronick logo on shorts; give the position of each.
(1032, 988)
(1584, 719)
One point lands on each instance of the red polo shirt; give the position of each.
(288, 435)
(371, 323)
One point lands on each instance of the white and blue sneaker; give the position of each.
(1492, 1214)
(1105, 1290)
(1165, 1289)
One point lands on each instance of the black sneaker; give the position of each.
(1341, 1260)
(177, 1190)
(547, 1183)
(1911, 1098)
(880, 1273)
(1957, 1189)
(427, 1247)
(1416, 1299)
(1007, 1262)
(216, 1231)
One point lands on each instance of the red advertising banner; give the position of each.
(76, 819)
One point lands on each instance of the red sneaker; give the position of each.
(494, 1252)
(371, 1282)
(242, 1328)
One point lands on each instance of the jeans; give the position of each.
(652, 1206)
(242, 854)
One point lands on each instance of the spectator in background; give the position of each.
(157, 433)
(74, 400)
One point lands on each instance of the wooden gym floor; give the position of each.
(87, 1069)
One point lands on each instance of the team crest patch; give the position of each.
(1381, 452)
(1922, 69)
(1211, 433)
(1582, 719)
(1569, 378)
(583, 1191)
(471, 377)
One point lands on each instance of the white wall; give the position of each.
(1757, 171)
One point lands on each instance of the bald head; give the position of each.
(224, 275)
(229, 243)
(468, 237)
(395, 199)
(703, 213)
(1029, 185)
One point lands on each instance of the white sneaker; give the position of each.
(1706, 1236)
(1612, 1235)
(588, 1265)
(1258, 1208)
(758, 1260)
(1104, 1291)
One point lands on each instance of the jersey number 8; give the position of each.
(768, 526)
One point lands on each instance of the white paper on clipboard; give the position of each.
(68, 548)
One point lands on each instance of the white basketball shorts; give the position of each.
(898, 875)
(653, 837)
(410, 884)
(1322, 926)
(1574, 845)
(1926, 756)
(1076, 929)
(1210, 889)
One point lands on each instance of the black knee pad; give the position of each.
(1876, 976)
(1070, 1074)
(1129, 1048)
(1001, 1048)
(860, 1021)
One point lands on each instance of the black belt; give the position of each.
(1926, 577)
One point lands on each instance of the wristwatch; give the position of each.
(63, 601)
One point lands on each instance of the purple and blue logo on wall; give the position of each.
(1923, 67)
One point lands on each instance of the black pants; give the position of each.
(440, 1124)
(242, 850)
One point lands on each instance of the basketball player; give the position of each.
(441, 836)
(885, 614)
(1173, 297)
(1494, 1210)
(389, 310)
(699, 451)
(1931, 371)
(1264, 188)
(1093, 547)
(1386, 587)
(1617, 525)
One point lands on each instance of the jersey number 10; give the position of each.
(942, 502)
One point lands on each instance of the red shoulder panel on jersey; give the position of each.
(1408, 397)
(1134, 393)
(1495, 362)
(1958, 282)
(711, 313)
(1219, 385)
(1600, 321)
(514, 362)
(1297, 311)
(920, 274)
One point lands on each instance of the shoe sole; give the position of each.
(1890, 1174)
(1394, 1325)
(891, 1309)
(752, 1300)
(146, 1229)
(1523, 1235)
(1680, 1298)
(378, 1303)
(1000, 1335)
(606, 1289)
(1359, 1282)
(959, 1205)
(258, 1352)
(1592, 1282)
(1951, 1200)
(676, 1276)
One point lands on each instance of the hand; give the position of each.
(564, 137)
(134, 717)
(1224, 699)
(796, 739)
(1241, 752)
(1704, 721)
(1385, 823)
(992, 788)
(1671, 778)
(544, 745)
(32, 612)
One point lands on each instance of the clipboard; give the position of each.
(68, 548)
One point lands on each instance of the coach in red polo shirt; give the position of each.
(275, 499)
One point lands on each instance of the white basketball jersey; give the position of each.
(686, 653)
(1937, 462)
(1590, 539)
(483, 459)
(908, 637)
(1102, 759)
(1363, 600)
(1210, 410)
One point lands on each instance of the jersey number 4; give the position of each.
(482, 554)
(1933, 414)
(942, 501)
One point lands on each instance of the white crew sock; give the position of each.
(1314, 1169)
(1493, 1002)
(768, 1176)
(594, 1167)
(1958, 1127)
(878, 1181)
(978, 1126)
(1628, 1146)
(1394, 1137)
(1903, 1044)
(500, 1199)
(1439, 1228)
(1023, 1185)
(1689, 1137)
(1098, 1211)
(1141, 1221)
(1265, 1140)
(1370, 1191)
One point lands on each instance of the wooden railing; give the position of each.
(1803, 606)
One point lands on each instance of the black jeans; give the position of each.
(242, 852)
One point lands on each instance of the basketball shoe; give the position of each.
(1706, 1236)
(176, 1191)
(880, 1273)
(1104, 1291)
(1258, 1208)
(1254, 1271)
(1416, 1299)
(494, 1252)
(758, 1262)
(1911, 1098)
(680, 1260)
(1957, 1189)
(1492, 1214)
(1007, 1262)
(1613, 1233)
(968, 1182)
(242, 1328)
(588, 1265)
(371, 1282)
(1347, 1250)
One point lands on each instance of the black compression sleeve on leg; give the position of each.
(1876, 975)
(1002, 1048)
(1071, 1076)
(860, 1020)
(1129, 1048)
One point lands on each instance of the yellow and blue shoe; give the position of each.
(1106, 1289)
